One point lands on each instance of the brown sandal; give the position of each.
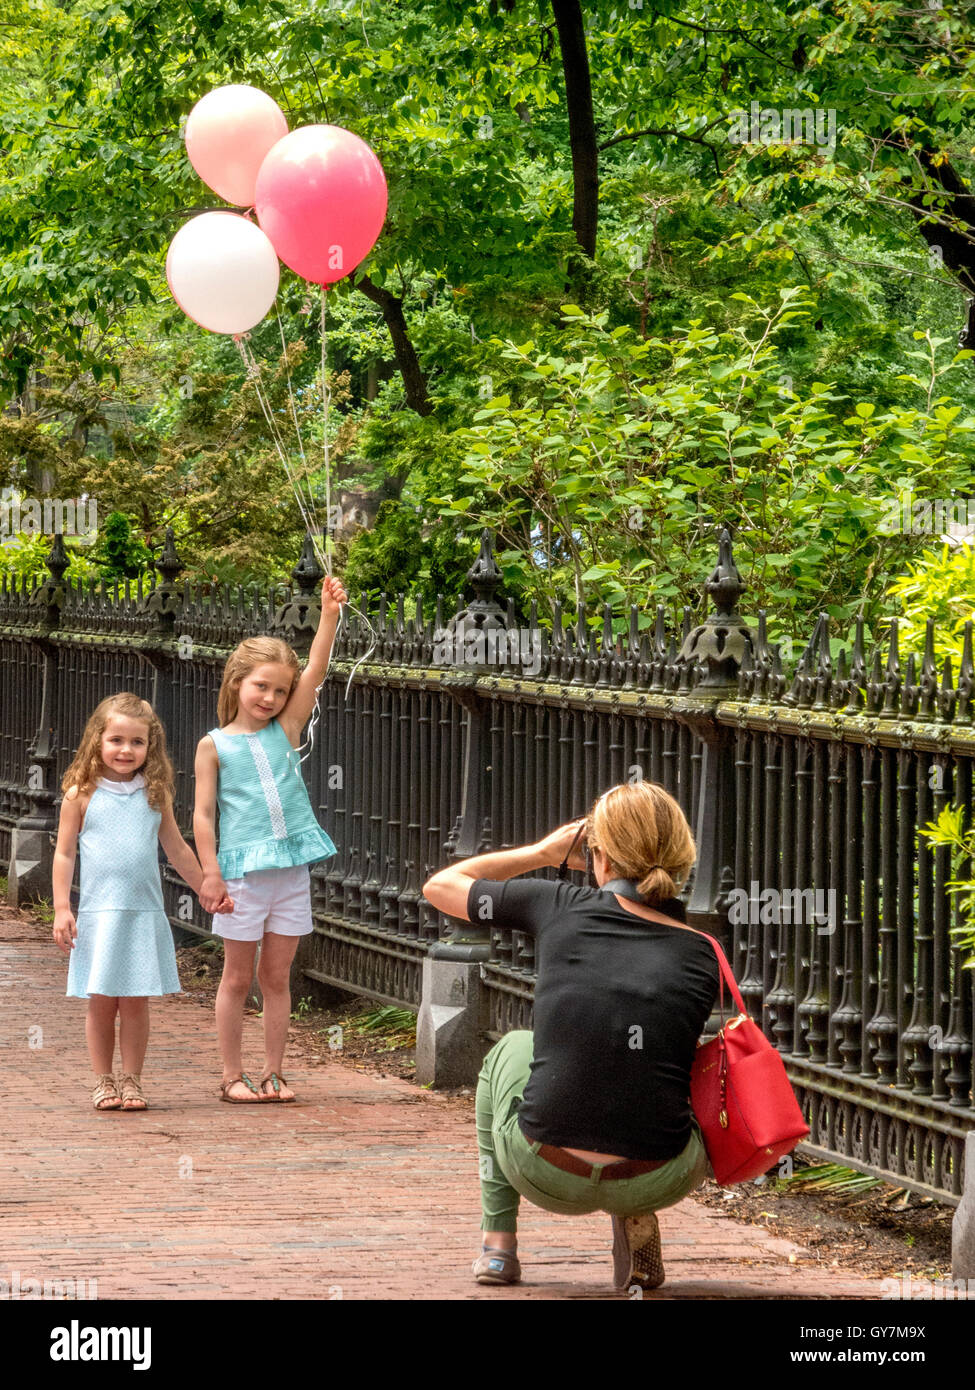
(106, 1090)
(236, 1100)
(131, 1089)
(277, 1081)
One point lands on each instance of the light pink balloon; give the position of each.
(228, 133)
(321, 197)
(222, 272)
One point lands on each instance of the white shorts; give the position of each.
(274, 900)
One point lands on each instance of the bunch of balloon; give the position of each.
(320, 196)
(319, 193)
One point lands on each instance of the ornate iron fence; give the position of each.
(806, 788)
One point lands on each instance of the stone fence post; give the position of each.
(35, 834)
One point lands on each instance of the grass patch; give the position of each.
(832, 1179)
(388, 1024)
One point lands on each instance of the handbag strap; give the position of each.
(724, 974)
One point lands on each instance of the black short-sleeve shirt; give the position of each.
(620, 1003)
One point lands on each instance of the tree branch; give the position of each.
(407, 361)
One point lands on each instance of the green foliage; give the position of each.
(120, 554)
(950, 831)
(43, 910)
(395, 556)
(609, 462)
(940, 585)
(26, 557)
(394, 1026)
(466, 104)
(831, 1178)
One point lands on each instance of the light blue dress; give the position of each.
(125, 943)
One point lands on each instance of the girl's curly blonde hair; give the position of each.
(87, 766)
(252, 652)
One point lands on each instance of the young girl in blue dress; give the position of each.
(118, 807)
(249, 768)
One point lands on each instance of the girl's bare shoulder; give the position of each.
(74, 805)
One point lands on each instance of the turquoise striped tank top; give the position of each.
(266, 819)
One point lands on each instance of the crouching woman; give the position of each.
(591, 1111)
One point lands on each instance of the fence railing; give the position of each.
(806, 787)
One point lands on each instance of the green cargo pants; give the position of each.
(510, 1167)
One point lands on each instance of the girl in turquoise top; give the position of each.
(248, 767)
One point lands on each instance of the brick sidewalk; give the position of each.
(366, 1189)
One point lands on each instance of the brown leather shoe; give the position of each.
(495, 1266)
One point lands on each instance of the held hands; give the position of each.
(65, 930)
(555, 846)
(333, 595)
(213, 895)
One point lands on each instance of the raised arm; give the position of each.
(297, 711)
(448, 889)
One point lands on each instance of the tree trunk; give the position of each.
(414, 382)
(582, 125)
(957, 252)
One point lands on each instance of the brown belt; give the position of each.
(626, 1168)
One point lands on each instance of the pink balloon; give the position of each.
(222, 272)
(321, 197)
(228, 133)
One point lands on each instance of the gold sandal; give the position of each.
(131, 1089)
(106, 1090)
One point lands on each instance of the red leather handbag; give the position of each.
(741, 1096)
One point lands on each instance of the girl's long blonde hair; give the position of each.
(645, 836)
(253, 651)
(87, 766)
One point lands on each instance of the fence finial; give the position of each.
(720, 642)
(58, 558)
(169, 564)
(49, 596)
(164, 602)
(307, 572)
(483, 613)
(297, 619)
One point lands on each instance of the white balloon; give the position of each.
(223, 272)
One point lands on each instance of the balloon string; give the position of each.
(326, 401)
(327, 459)
(301, 447)
(291, 394)
(254, 375)
(308, 513)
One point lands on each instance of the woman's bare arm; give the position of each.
(448, 889)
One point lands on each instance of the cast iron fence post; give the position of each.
(719, 645)
(297, 619)
(164, 604)
(33, 839)
(449, 1040)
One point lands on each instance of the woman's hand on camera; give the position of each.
(555, 846)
